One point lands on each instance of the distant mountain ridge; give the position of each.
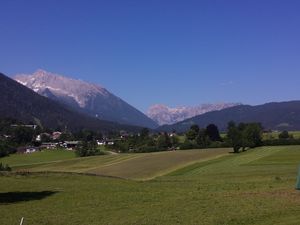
(85, 97)
(21, 103)
(274, 116)
(163, 114)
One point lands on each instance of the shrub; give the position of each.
(284, 135)
(4, 167)
(88, 149)
(187, 144)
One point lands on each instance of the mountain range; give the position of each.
(54, 101)
(21, 103)
(273, 116)
(85, 97)
(163, 114)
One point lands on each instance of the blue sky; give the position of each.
(155, 51)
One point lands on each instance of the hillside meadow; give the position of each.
(254, 187)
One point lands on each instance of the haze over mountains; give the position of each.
(88, 98)
(274, 116)
(163, 114)
(21, 103)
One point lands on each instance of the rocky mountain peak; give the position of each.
(42, 81)
(163, 114)
(86, 97)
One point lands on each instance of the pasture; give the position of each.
(254, 187)
(139, 166)
(45, 156)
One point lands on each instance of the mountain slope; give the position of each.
(165, 115)
(89, 98)
(275, 116)
(23, 104)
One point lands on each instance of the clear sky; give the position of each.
(177, 52)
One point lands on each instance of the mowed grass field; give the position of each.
(255, 187)
(139, 166)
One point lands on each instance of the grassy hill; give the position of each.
(255, 187)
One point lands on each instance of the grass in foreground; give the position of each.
(256, 187)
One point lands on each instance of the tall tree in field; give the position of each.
(213, 133)
(235, 136)
(193, 132)
(202, 139)
(174, 140)
(244, 135)
(252, 134)
(164, 141)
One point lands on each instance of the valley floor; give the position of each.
(190, 187)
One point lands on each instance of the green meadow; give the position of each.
(46, 156)
(182, 187)
(139, 166)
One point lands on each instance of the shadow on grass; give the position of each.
(14, 197)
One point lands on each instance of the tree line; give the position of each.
(146, 142)
(238, 136)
